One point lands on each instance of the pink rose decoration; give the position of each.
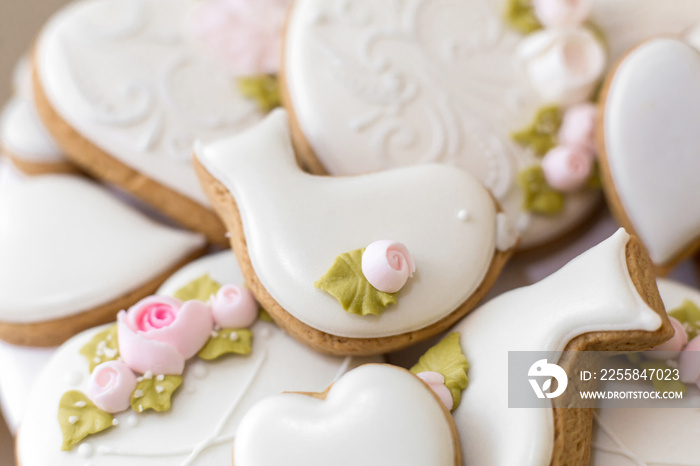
(159, 334)
(689, 362)
(578, 127)
(234, 307)
(562, 13)
(245, 34)
(567, 168)
(436, 382)
(387, 265)
(671, 348)
(111, 385)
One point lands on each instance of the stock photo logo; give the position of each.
(541, 369)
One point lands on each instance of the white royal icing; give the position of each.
(376, 85)
(651, 140)
(127, 77)
(664, 434)
(23, 135)
(591, 293)
(67, 245)
(394, 415)
(296, 224)
(206, 409)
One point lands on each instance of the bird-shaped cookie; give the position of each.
(433, 239)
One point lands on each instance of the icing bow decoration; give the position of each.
(139, 361)
(246, 37)
(564, 58)
(365, 281)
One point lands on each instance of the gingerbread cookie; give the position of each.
(340, 262)
(401, 421)
(662, 432)
(650, 104)
(72, 255)
(125, 90)
(23, 137)
(502, 88)
(605, 299)
(176, 417)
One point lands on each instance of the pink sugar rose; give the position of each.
(578, 127)
(245, 34)
(436, 382)
(562, 13)
(670, 349)
(387, 265)
(111, 385)
(566, 168)
(234, 307)
(160, 333)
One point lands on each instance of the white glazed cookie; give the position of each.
(650, 109)
(69, 250)
(206, 410)
(401, 423)
(24, 138)
(649, 436)
(295, 225)
(376, 85)
(593, 294)
(132, 83)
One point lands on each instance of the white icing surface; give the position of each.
(125, 75)
(296, 224)
(376, 85)
(591, 293)
(67, 246)
(652, 436)
(24, 136)
(206, 409)
(655, 92)
(397, 418)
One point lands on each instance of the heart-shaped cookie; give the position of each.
(72, 255)
(397, 418)
(299, 238)
(650, 153)
(125, 91)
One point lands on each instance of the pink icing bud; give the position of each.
(562, 13)
(245, 35)
(234, 307)
(689, 361)
(671, 348)
(387, 265)
(567, 168)
(436, 382)
(111, 385)
(159, 333)
(578, 127)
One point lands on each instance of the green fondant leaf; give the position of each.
(594, 181)
(346, 283)
(539, 197)
(79, 417)
(102, 347)
(264, 315)
(688, 314)
(154, 392)
(662, 385)
(541, 135)
(520, 15)
(227, 341)
(447, 358)
(200, 289)
(263, 90)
